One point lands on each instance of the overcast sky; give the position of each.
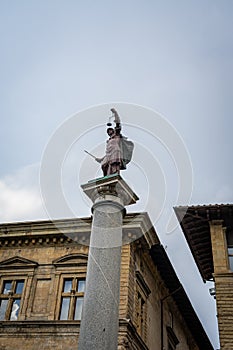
(174, 57)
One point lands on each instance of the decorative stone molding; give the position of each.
(71, 259)
(123, 343)
(34, 240)
(17, 263)
(129, 337)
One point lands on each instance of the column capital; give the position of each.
(107, 187)
(216, 222)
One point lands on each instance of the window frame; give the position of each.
(73, 295)
(141, 314)
(67, 267)
(229, 241)
(142, 295)
(230, 257)
(11, 296)
(19, 268)
(172, 340)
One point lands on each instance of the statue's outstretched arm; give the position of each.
(117, 118)
(117, 121)
(99, 160)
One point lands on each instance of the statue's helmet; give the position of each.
(111, 130)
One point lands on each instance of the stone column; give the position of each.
(223, 279)
(219, 246)
(100, 316)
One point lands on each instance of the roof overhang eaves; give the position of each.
(194, 221)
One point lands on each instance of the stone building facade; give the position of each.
(42, 286)
(209, 233)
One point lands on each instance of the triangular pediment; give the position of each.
(17, 262)
(71, 260)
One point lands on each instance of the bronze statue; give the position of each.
(118, 149)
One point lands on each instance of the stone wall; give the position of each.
(224, 288)
(141, 262)
(42, 258)
(223, 277)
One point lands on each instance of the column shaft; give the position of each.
(100, 317)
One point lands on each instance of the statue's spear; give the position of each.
(90, 154)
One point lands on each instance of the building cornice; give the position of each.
(72, 231)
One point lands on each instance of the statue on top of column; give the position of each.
(118, 149)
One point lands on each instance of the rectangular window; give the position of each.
(172, 339)
(229, 235)
(141, 315)
(230, 256)
(10, 299)
(141, 299)
(72, 297)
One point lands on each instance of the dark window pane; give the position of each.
(230, 251)
(67, 286)
(81, 286)
(3, 307)
(15, 310)
(65, 309)
(78, 308)
(19, 287)
(230, 238)
(7, 287)
(231, 262)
